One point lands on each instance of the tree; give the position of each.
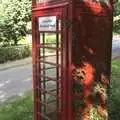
(116, 25)
(14, 18)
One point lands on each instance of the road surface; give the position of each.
(16, 81)
(116, 49)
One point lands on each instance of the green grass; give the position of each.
(19, 109)
(114, 97)
(22, 107)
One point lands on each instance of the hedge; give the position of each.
(14, 53)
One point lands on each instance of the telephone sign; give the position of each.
(47, 23)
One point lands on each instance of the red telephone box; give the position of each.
(72, 41)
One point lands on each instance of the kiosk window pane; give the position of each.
(50, 61)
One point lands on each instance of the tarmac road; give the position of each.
(116, 49)
(15, 81)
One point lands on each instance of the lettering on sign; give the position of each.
(44, 1)
(47, 23)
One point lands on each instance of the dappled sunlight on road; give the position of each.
(2, 92)
(1, 85)
(2, 96)
(27, 79)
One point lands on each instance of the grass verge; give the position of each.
(19, 109)
(114, 96)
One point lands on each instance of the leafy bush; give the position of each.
(14, 53)
(116, 21)
(15, 15)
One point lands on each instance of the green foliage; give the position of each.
(14, 53)
(50, 38)
(94, 114)
(116, 25)
(14, 14)
(116, 8)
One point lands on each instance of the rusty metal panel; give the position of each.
(94, 8)
(92, 43)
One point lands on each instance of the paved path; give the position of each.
(15, 81)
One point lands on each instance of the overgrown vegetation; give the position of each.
(14, 53)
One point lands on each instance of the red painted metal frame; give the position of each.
(61, 12)
(68, 11)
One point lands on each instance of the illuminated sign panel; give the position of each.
(47, 23)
